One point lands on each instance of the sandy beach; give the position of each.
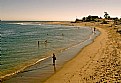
(98, 62)
(60, 41)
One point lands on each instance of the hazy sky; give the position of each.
(57, 9)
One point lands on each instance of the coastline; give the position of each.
(73, 55)
(90, 65)
(84, 63)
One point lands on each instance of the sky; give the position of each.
(57, 10)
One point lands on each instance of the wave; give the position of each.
(22, 69)
(16, 23)
(26, 23)
(7, 33)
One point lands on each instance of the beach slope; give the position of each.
(98, 62)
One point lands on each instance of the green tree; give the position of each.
(83, 18)
(106, 15)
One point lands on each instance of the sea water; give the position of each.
(23, 44)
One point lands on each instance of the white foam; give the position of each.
(25, 23)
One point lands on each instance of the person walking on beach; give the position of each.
(54, 58)
(94, 29)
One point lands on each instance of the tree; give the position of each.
(106, 15)
(83, 19)
(89, 18)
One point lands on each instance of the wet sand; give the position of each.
(97, 62)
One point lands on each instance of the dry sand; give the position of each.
(97, 62)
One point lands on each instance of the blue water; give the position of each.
(19, 43)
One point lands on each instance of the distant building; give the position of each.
(94, 17)
(113, 18)
(78, 20)
(90, 18)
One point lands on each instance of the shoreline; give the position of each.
(36, 62)
(57, 78)
(87, 66)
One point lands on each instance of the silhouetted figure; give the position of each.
(45, 41)
(94, 29)
(54, 58)
(0, 80)
(62, 34)
(38, 43)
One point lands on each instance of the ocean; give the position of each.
(23, 44)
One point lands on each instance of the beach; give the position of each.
(63, 38)
(98, 62)
(60, 41)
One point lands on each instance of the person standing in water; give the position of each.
(45, 41)
(54, 58)
(94, 29)
(38, 43)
